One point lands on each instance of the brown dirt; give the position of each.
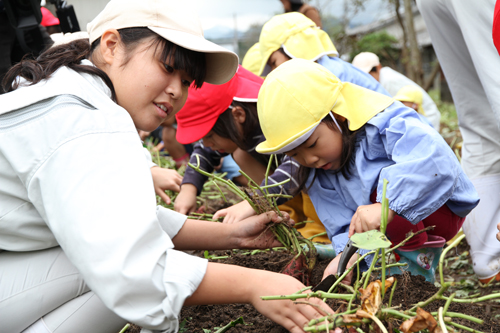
(410, 290)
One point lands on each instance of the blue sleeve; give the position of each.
(209, 159)
(425, 170)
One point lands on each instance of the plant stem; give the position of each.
(319, 294)
(448, 301)
(395, 313)
(317, 235)
(125, 328)
(465, 328)
(443, 254)
(369, 272)
(475, 300)
(383, 226)
(392, 291)
(441, 321)
(462, 316)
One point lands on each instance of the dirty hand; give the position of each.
(333, 267)
(291, 316)
(165, 179)
(253, 232)
(368, 218)
(235, 213)
(185, 203)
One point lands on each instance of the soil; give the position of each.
(410, 290)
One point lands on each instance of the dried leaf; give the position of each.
(351, 318)
(421, 321)
(389, 282)
(370, 297)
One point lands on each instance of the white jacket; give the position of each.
(393, 80)
(73, 174)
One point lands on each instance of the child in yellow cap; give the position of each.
(411, 96)
(347, 140)
(293, 35)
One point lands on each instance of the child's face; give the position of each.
(412, 105)
(218, 143)
(147, 88)
(322, 150)
(277, 58)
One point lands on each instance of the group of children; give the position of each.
(81, 197)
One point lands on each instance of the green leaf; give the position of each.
(371, 240)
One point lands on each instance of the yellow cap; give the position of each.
(299, 37)
(412, 94)
(251, 60)
(297, 95)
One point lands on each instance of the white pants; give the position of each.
(44, 287)
(461, 33)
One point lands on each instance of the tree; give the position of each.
(380, 43)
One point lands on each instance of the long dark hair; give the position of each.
(225, 125)
(72, 53)
(348, 144)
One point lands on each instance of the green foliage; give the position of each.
(449, 119)
(380, 43)
(371, 240)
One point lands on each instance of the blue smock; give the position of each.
(348, 73)
(422, 170)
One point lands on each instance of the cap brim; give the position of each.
(193, 133)
(248, 86)
(221, 63)
(289, 144)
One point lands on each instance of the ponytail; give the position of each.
(41, 68)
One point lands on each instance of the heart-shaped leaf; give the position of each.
(370, 240)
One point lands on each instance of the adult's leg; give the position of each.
(44, 284)
(461, 35)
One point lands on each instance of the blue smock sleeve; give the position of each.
(425, 172)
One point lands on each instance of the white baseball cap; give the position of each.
(366, 61)
(173, 20)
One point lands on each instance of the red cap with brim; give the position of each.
(496, 26)
(204, 106)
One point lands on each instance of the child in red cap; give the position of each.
(225, 117)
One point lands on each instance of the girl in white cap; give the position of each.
(83, 247)
(348, 139)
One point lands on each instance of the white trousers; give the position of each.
(461, 34)
(44, 287)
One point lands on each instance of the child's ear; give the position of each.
(109, 45)
(239, 114)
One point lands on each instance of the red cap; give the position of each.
(204, 106)
(47, 18)
(496, 26)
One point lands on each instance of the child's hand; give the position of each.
(498, 234)
(165, 179)
(235, 213)
(332, 267)
(368, 218)
(185, 203)
(253, 232)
